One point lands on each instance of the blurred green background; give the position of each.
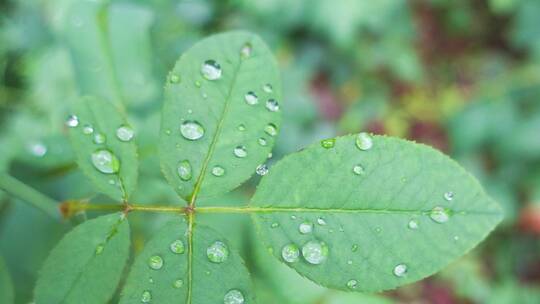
(462, 76)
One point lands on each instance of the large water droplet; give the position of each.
(413, 224)
(272, 105)
(315, 252)
(270, 129)
(125, 133)
(99, 138)
(439, 215)
(364, 141)
(184, 170)
(177, 246)
(352, 284)
(72, 121)
(211, 70)
(218, 252)
(178, 283)
(268, 88)
(105, 161)
(146, 296)
(233, 296)
(328, 143)
(218, 171)
(358, 170)
(400, 270)
(155, 262)
(240, 151)
(251, 98)
(449, 196)
(88, 129)
(261, 170)
(290, 253)
(305, 227)
(191, 130)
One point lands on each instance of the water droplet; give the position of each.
(184, 170)
(241, 127)
(293, 217)
(177, 247)
(233, 296)
(290, 253)
(125, 133)
(146, 296)
(88, 129)
(349, 262)
(400, 270)
(270, 129)
(155, 262)
(321, 221)
(274, 225)
(268, 88)
(245, 51)
(354, 248)
(175, 78)
(305, 227)
(168, 132)
(99, 249)
(105, 161)
(261, 170)
(217, 252)
(449, 196)
(364, 141)
(269, 155)
(272, 105)
(358, 170)
(439, 215)
(178, 283)
(413, 224)
(315, 252)
(218, 171)
(191, 130)
(328, 143)
(72, 121)
(262, 141)
(99, 138)
(352, 284)
(240, 151)
(151, 280)
(211, 70)
(197, 84)
(251, 98)
(38, 149)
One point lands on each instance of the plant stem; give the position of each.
(30, 195)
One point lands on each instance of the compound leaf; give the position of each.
(104, 147)
(372, 219)
(87, 263)
(221, 114)
(167, 271)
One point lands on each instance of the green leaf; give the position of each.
(165, 276)
(115, 176)
(220, 108)
(382, 227)
(6, 286)
(86, 264)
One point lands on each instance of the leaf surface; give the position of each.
(386, 226)
(87, 263)
(115, 178)
(6, 285)
(181, 278)
(217, 116)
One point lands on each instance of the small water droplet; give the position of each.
(354, 248)
(328, 143)
(105, 161)
(293, 217)
(269, 155)
(240, 151)
(378, 230)
(321, 221)
(151, 280)
(155, 262)
(364, 141)
(218, 171)
(184, 170)
(99, 249)
(72, 121)
(413, 224)
(268, 88)
(261, 170)
(241, 127)
(88, 129)
(198, 84)
(211, 70)
(204, 95)
(400, 270)
(305, 227)
(439, 215)
(125, 133)
(146, 296)
(349, 262)
(358, 170)
(177, 247)
(37, 149)
(449, 196)
(99, 138)
(290, 253)
(270, 129)
(217, 252)
(272, 105)
(352, 284)
(178, 283)
(251, 98)
(456, 238)
(245, 51)
(262, 141)
(233, 296)
(191, 130)
(315, 252)
(168, 132)
(274, 225)
(174, 78)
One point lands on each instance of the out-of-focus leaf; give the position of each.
(6, 287)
